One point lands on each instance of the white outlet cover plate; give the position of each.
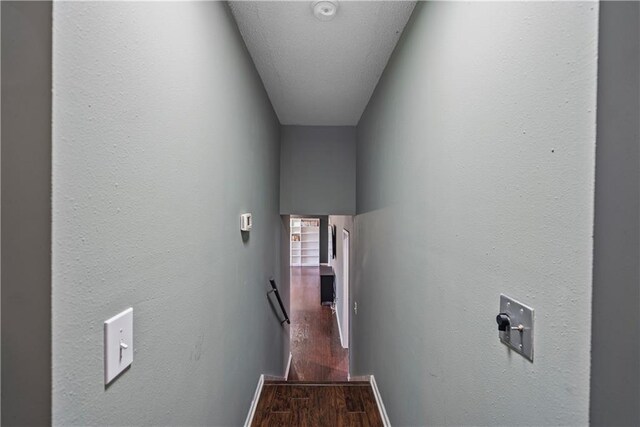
(117, 357)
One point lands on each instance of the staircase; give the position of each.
(299, 403)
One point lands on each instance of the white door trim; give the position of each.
(346, 254)
(342, 342)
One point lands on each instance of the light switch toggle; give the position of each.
(123, 347)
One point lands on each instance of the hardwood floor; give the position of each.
(315, 340)
(337, 404)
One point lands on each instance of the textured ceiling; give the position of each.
(320, 73)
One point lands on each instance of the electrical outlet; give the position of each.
(355, 308)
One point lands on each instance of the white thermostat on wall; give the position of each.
(246, 222)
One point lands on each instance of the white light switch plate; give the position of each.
(118, 344)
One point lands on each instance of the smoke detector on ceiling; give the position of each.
(325, 10)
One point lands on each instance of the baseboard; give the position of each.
(366, 378)
(376, 393)
(340, 331)
(254, 402)
(286, 372)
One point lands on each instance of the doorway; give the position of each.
(316, 341)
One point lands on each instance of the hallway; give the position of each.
(459, 179)
(315, 340)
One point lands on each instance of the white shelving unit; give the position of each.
(305, 242)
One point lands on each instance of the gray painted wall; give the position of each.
(342, 222)
(162, 136)
(475, 177)
(615, 354)
(26, 213)
(317, 170)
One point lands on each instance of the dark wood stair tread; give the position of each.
(313, 403)
(316, 383)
